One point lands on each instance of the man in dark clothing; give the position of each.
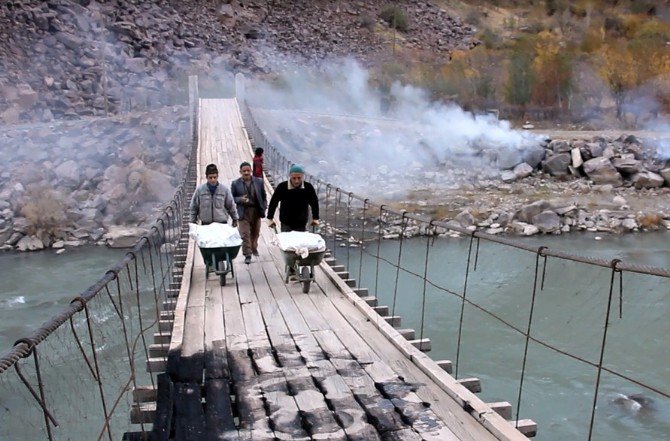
(249, 194)
(296, 197)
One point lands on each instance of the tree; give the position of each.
(520, 81)
(553, 69)
(617, 66)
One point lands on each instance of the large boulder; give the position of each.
(627, 165)
(123, 237)
(601, 171)
(557, 165)
(527, 212)
(647, 179)
(547, 221)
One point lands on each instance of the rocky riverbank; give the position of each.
(95, 180)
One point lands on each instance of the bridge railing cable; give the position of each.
(550, 322)
(75, 375)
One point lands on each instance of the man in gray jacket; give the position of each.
(213, 202)
(249, 194)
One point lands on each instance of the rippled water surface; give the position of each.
(36, 286)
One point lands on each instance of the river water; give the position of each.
(569, 314)
(36, 286)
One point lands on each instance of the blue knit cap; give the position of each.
(295, 168)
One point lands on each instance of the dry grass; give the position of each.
(44, 209)
(650, 221)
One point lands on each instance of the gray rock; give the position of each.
(123, 237)
(647, 179)
(465, 218)
(14, 238)
(547, 221)
(559, 146)
(69, 170)
(527, 212)
(627, 165)
(533, 155)
(629, 224)
(508, 176)
(29, 243)
(595, 149)
(523, 170)
(523, 229)
(557, 165)
(577, 160)
(666, 174)
(601, 171)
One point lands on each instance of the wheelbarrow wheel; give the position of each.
(223, 270)
(305, 278)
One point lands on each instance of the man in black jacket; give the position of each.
(249, 194)
(296, 197)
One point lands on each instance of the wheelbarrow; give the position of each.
(220, 261)
(302, 267)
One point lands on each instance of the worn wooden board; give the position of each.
(164, 409)
(189, 414)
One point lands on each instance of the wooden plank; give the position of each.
(162, 425)
(279, 334)
(176, 338)
(380, 412)
(315, 413)
(348, 412)
(253, 419)
(283, 410)
(189, 415)
(413, 409)
(300, 331)
(218, 410)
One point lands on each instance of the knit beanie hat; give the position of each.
(295, 168)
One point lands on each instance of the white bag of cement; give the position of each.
(300, 242)
(215, 235)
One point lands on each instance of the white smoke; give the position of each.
(341, 128)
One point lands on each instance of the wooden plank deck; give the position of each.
(260, 359)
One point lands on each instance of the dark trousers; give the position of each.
(286, 228)
(250, 229)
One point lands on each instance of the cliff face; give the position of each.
(68, 59)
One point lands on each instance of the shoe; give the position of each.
(255, 253)
(293, 278)
(247, 259)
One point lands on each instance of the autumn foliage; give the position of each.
(568, 60)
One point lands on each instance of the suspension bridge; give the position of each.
(156, 349)
(318, 365)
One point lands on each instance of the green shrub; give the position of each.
(395, 17)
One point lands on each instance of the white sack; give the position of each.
(300, 242)
(215, 235)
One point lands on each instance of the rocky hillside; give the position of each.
(92, 131)
(70, 59)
